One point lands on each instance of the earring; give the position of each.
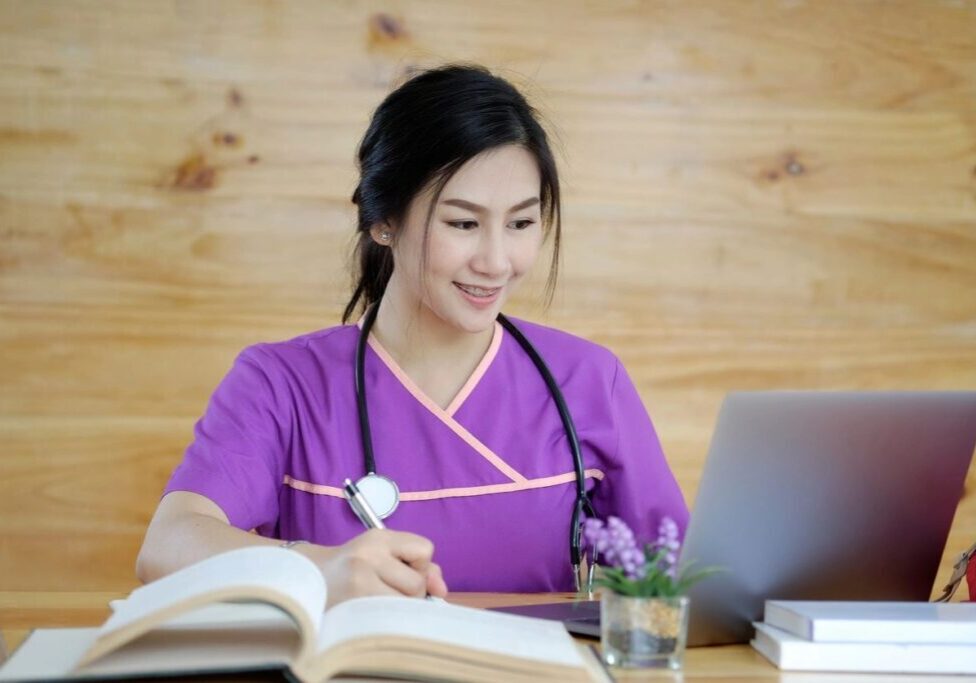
(385, 236)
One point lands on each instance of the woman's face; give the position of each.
(485, 236)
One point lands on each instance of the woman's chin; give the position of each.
(473, 322)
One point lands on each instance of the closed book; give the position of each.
(262, 609)
(791, 653)
(875, 622)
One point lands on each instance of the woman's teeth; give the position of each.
(477, 291)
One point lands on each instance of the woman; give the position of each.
(458, 191)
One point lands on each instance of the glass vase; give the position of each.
(643, 632)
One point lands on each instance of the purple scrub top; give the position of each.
(490, 479)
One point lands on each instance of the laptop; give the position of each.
(580, 617)
(817, 496)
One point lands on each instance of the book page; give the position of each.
(465, 627)
(50, 654)
(274, 575)
(278, 569)
(220, 615)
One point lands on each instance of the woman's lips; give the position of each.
(478, 296)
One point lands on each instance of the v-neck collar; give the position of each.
(447, 418)
(463, 393)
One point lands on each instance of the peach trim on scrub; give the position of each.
(442, 414)
(459, 492)
(462, 395)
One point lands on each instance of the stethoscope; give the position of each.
(382, 492)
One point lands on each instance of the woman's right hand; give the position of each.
(188, 527)
(378, 562)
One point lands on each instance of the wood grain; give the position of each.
(764, 195)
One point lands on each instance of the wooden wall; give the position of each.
(758, 195)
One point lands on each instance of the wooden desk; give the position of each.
(21, 611)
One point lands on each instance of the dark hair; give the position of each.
(422, 133)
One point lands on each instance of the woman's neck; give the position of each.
(438, 357)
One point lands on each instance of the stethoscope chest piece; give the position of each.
(380, 492)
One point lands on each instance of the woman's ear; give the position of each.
(382, 234)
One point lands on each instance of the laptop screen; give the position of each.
(824, 495)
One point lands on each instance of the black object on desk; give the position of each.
(580, 617)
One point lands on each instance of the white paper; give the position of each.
(480, 630)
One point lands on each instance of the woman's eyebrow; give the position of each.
(471, 206)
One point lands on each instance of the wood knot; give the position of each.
(795, 168)
(227, 139)
(235, 98)
(789, 164)
(792, 165)
(385, 28)
(195, 174)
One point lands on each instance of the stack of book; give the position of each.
(889, 637)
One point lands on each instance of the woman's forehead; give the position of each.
(494, 180)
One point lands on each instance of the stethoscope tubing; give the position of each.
(360, 381)
(582, 500)
(582, 503)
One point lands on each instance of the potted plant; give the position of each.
(643, 609)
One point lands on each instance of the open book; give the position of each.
(262, 608)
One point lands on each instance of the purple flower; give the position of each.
(667, 539)
(629, 569)
(614, 544)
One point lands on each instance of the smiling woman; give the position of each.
(495, 452)
(457, 273)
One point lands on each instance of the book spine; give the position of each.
(921, 659)
(907, 632)
(789, 621)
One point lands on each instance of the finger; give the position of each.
(435, 581)
(353, 577)
(415, 550)
(402, 578)
(372, 584)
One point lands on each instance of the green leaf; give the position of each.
(656, 582)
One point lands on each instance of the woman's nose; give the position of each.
(492, 256)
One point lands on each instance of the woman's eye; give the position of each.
(471, 225)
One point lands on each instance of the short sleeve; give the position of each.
(236, 458)
(640, 487)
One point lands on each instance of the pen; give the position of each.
(362, 508)
(364, 511)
